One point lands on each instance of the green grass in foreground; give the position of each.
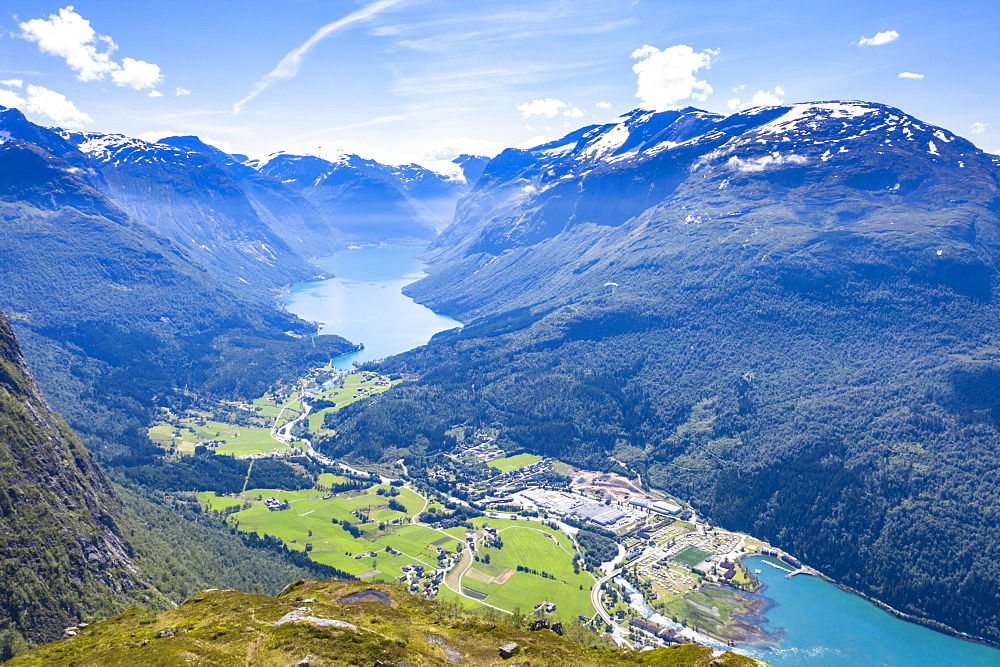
(516, 462)
(230, 628)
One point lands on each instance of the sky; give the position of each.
(422, 80)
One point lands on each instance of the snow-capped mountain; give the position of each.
(188, 198)
(369, 201)
(729, 172)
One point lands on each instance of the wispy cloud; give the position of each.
(289, 65)
(366, 123)
(977, 128)
(910, 75)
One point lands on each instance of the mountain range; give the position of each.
(786, 315)
(159, 262)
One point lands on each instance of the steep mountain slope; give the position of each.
(286, 212)
(113, 314)
(189, 199)
(786, 315)
(336, 623)
(368, 201)
(64, 550)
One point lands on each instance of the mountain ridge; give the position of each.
(798, 345)
(63, 533)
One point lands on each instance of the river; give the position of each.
(814, 622)
(363, 302)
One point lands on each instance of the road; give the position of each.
(619, 634)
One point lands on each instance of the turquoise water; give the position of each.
(363, 302)
(824, 625)
(819, 623)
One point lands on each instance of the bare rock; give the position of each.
(509, 650)
(539, 624)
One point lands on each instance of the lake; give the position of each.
(824, 625)
(819, 624)
(364, 303)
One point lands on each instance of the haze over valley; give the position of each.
(534, 336)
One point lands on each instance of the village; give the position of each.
(689, 574)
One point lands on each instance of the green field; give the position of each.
(331, 543)
(514, 462)
(308, 521)
(346, 395)
(540, 548)
(691, 556)
(710, 610)
(240, 440)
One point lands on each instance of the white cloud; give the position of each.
(155, 93)
(977, 128)
(137, 74)
(668, 76)
(910, 75)
(289, 65)
(765, 162)
(8, 98)
(762, 98)
(71, 37)
(603, 105)
(224, 146)
(547, 107)
(880, 38)
(54, 105)
(181, 92)
(12, 83)
(154, 137)
(573, 113)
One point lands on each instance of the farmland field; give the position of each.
(514, 462)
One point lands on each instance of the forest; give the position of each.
(860, 440)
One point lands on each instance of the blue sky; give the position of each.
(409, 79)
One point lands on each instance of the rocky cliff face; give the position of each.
(64, 550)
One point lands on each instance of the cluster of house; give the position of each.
(421, 582)
(274, 504)
(212, 443)
(546, 606)
(665, 635)
(483, 448)
(646, 532)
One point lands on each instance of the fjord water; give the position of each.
(824, 625)
(364, 303)
(819, 623)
